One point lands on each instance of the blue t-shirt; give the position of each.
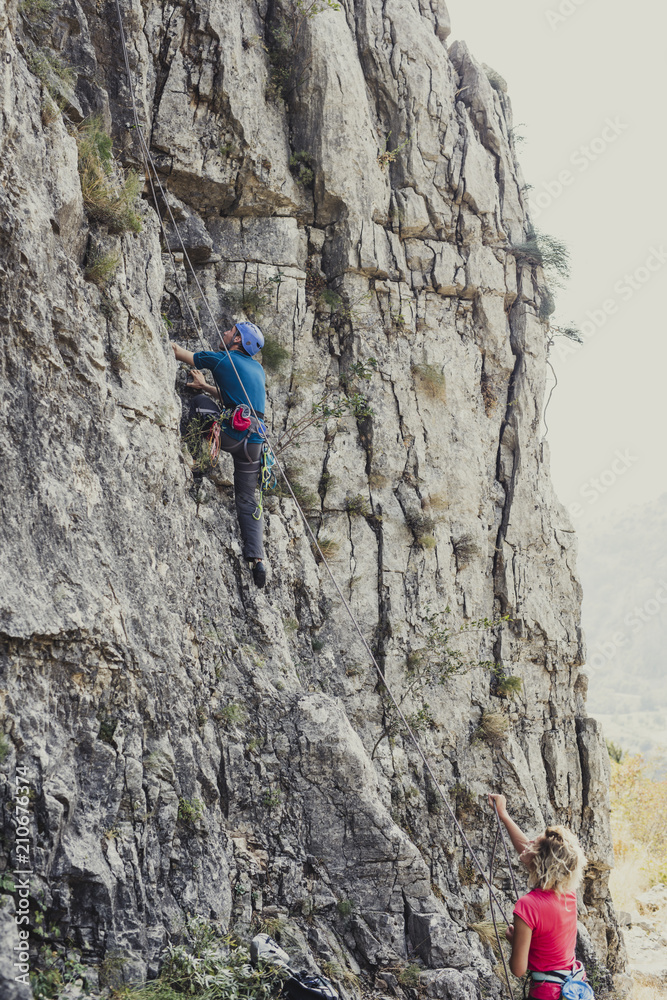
(249, 371)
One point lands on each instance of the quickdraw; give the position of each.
(213, 441)
(266, 474)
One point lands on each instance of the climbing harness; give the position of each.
(243, 418)
(154, 181)
(571, 981)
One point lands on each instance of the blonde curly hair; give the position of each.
(557, 861)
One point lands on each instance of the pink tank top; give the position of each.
(553, 921)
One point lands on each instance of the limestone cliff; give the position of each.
(194, 745)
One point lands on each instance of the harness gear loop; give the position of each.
(242, 418)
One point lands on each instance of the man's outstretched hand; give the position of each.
(181, 354)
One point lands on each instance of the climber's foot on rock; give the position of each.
(259, 573)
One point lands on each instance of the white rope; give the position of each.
(148, 161)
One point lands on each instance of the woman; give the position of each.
(544, 933)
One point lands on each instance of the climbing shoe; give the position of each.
(259, 574)
(263, 948)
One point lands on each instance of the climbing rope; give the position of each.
(500, 834)
(150, 167)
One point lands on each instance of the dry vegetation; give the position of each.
(639, 827)
(431, 380)
(109, 197)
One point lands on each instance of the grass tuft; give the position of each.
(465, 801)
(274, 355)
(422, 527)
(409, 976)
(357, 506)
(465, 548)
(507, 687)
(190, 810)
(36, 11)
(233, 714)
(101, 268)
(493, 728)
(487, 934)
(107, 199)
(50, 68)
(329, 547)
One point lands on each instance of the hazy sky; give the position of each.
(587, 84)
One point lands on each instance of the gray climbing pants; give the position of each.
(246, 476)
(246, 457)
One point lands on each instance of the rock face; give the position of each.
(192, 744)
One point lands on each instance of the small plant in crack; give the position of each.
(493, 728)
(409, 977)
(342, 394)
(271, 798)
(422, 526)
(190, 810)
(232, 714)
(357, 505)
(328, 548)
(274, 355)
(388, 155)
(465, 801)
(508, 686)
(301, 165)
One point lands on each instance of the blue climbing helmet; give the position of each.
(252, 338)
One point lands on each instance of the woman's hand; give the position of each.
(501, 804)
(509, 933)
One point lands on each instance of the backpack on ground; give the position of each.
(298, 985)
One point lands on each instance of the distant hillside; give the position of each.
(623, 567)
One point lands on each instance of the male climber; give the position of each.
(239, 432)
